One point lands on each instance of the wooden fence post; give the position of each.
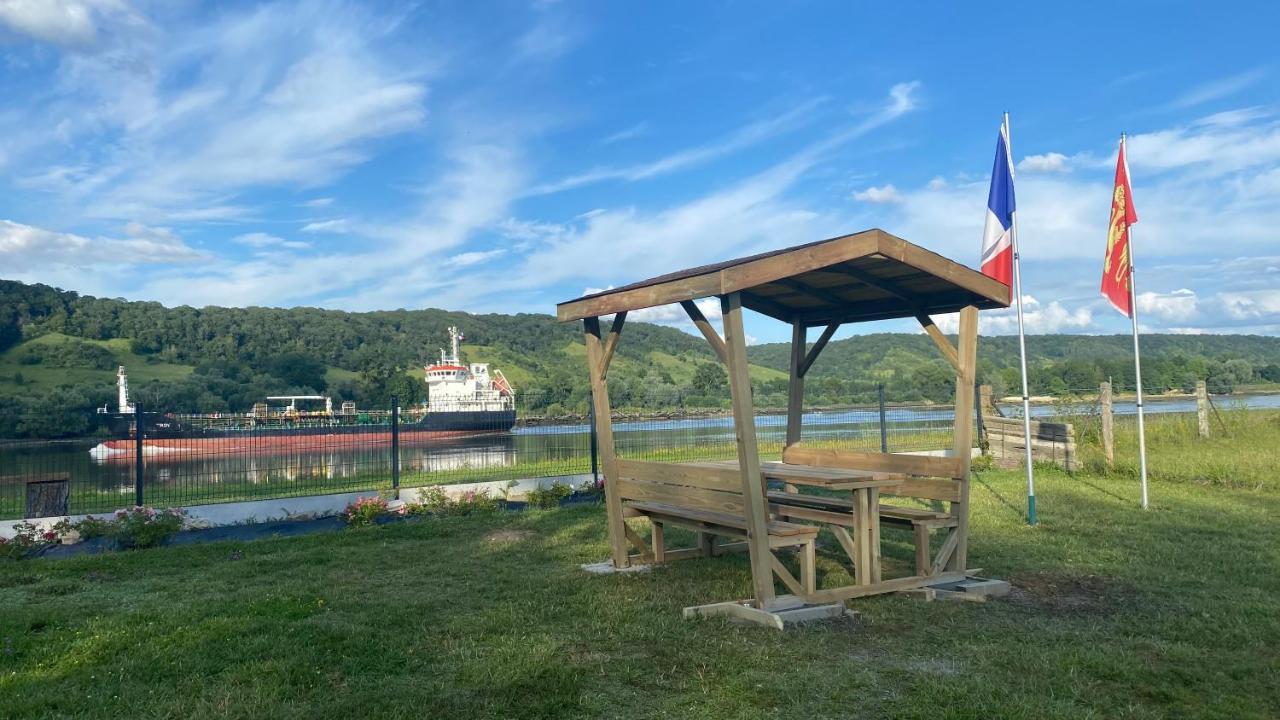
(1108, 424)
(1202, 408)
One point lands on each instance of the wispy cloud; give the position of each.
(1218, 89)
(739, 139)
(635, 131)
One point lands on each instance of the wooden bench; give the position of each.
(709, 502)
(932, 478)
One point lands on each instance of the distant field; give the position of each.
(140, 368)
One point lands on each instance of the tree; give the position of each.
(709, 379)
(298, 370)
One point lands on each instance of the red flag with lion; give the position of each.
(1118, 263)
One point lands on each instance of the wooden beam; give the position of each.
(604, 434)
(814, 351)
(744, 425)
(785, 575)
(820, 293)
(948, 350)
(770, 308)
(611, 342)
(795, 386)
(704, 326)
(962, 449)
(881, 284)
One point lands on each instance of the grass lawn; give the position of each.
(1116, 613)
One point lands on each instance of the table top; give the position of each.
(830, 478)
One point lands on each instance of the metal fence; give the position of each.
(240, 457)
(232, 459)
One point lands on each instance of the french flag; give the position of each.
(997, 236)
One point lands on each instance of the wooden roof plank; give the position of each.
(916, 279)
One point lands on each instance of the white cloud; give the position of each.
(742, 138)
(1047, 163)
(878, 195)
(263, 240)
(1218, 89)
(1178, 305)
(630, 133)
(185, 125)
(338, 225)
(318, 202)
(61, 22)
(1037, 319)
(475, 257)
(24, 248)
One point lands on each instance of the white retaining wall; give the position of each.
(310, 506)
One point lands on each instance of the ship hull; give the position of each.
(165, 438)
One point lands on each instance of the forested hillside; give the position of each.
(59, 350)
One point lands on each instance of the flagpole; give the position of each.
(1022, 343)
(1137, 358)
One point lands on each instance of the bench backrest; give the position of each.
(703, 488)
(933, 478)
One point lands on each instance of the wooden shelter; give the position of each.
(870, 275)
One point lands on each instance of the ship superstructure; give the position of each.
(455, 387)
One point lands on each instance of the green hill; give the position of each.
(59, 351)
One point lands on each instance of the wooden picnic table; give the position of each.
(863, 544)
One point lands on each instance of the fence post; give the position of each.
(395, 446)
(1108, 424)
(595, 450)
(139, 432)
(884, 429)
(1202, 408)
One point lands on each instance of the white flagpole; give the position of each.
(1022, 342)
(1137, 358)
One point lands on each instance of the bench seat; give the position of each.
(781, 533)
(838, 511)
(889, 514)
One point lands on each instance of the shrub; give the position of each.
(363, 511)
(27, 540)
(435, 501)
(548, 497)
(92, 528)
(144, 527)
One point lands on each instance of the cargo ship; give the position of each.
(462, 400)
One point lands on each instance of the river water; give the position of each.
(526, 451)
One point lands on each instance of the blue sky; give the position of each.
(507, 156)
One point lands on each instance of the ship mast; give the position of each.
(122, 392)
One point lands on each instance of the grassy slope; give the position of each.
(1116, 613)
(38, 375)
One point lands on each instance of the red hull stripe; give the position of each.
(271, 443)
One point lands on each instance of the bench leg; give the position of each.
(924, 560)
(809, 567)
(707, 542)
(658, 541)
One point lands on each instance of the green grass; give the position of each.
(41, 376)
(1116, 612)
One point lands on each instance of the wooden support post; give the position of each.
(795, 389)
(744, 425)
(923, 559)
(704, 326)
(604, 433)
(658, 540)
(809, 567)
(1202, 408)
(967, 355)
(944, 345)
(1108, 424)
